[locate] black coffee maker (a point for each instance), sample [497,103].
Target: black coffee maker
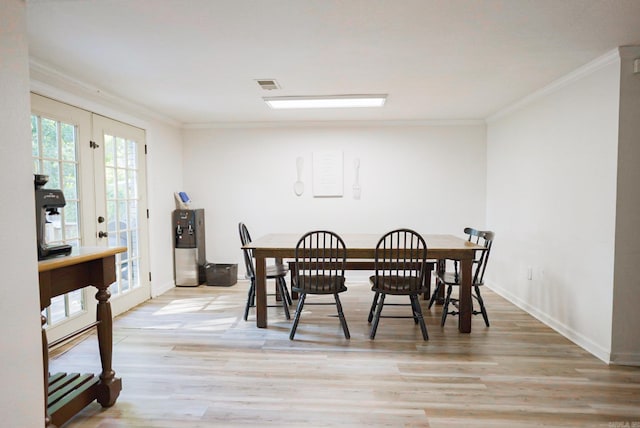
[47,202]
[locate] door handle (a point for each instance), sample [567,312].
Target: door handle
[102,234]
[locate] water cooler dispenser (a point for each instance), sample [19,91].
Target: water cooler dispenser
[189,256]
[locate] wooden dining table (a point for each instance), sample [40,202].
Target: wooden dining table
[363,246]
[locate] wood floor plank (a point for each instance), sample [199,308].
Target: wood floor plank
[188,359]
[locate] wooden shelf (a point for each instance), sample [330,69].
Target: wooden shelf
[68,394]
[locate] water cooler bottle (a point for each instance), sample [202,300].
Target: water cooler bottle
[189,256]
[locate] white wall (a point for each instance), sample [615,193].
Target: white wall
[164,159]
[164,163]
[626,293]
[551,198]
[430,178]
[22,396]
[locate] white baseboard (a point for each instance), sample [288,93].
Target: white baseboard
[158,289]
[574,336]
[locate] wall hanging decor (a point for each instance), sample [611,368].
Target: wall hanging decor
[356,182]
[298,186]
[328,174]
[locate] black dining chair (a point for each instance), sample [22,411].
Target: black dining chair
[400,269]
[320,258]
[277,271]
[452,279]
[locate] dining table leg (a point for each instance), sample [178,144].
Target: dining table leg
[261,291]
[293,269]
[464,318]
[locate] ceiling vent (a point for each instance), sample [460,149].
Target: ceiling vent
[268,84]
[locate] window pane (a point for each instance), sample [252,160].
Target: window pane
[52,169]
[68,134]
[75,302]
[71,212]
[109,151]
[111,215]
[132,184]
[132,154]
[121,152]
[49,139]
[112,239]
[71,226]
[133,236]
[124,278]
[114,289]
[56,311]
[122,183]
[135,274]
[35,148]
[123,241]
[123,215]
[133,214]
[69,173]
[110,183]
[112,227]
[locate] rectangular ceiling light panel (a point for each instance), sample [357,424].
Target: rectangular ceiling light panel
[333,101]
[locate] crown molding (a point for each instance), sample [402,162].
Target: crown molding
[49,81]
[334,124]
[602,61]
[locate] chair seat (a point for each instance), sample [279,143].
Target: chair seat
[275,271]
[396,284]
[320,284]
[449,278]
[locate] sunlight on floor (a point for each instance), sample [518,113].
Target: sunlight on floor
[221,324]
[182,306]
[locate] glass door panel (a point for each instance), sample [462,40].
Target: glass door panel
[122,200]
[57,131]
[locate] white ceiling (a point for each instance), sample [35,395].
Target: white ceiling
[196,61]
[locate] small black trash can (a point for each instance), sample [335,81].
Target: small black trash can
[221,274]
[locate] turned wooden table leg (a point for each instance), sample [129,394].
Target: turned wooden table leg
[110,386]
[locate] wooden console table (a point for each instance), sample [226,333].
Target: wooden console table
[66,395]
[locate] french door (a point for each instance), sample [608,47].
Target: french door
[99,164]
[121,206]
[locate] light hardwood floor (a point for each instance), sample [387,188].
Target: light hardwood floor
[188,359]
